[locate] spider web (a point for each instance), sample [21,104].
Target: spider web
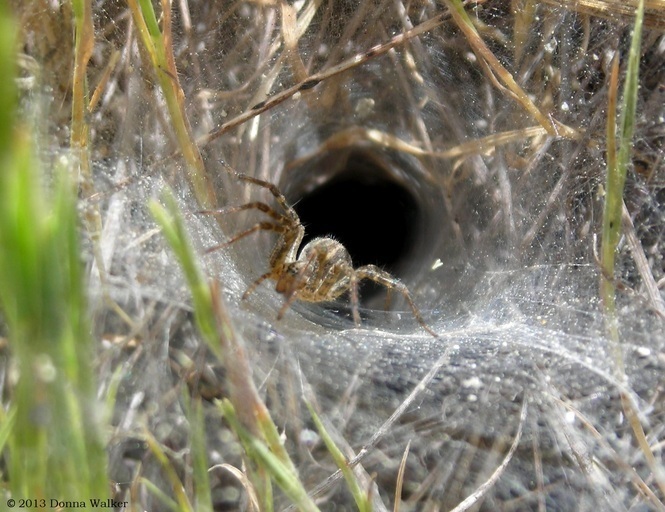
[505,268]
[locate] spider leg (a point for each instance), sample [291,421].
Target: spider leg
[277,194]
[286,305]
[255,285]
[354,298]
[265,226]
[256,205]
[384,278]
[389,297]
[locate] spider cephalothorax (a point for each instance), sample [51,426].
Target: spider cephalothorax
[321,271]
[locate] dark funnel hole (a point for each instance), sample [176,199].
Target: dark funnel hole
[368,211]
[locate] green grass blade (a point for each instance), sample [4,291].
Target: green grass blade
[168,217]
[352,483]
[158,45]
[150,18]
[618,162]
[176,485]
[618,166]
[617,169]
[163,498]
[202,492]
[264,458]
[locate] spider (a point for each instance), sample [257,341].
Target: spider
[321,271]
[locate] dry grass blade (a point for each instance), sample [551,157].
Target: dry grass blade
[637,480]
[84,45]
[316,78]
[291,34]
[655,466]
[385,427]
[653,293]
[244,481]
[80,130]
[524,11]
[654,15]
[400,477]
[456,8]
[479,493]
[538,469]
[103,81]
[482,146]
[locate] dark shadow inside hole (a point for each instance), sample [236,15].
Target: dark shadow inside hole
[368,211]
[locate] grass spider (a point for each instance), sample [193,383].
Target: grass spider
[321,271]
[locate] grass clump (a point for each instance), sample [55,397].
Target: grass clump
[245,412]
[52,433]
